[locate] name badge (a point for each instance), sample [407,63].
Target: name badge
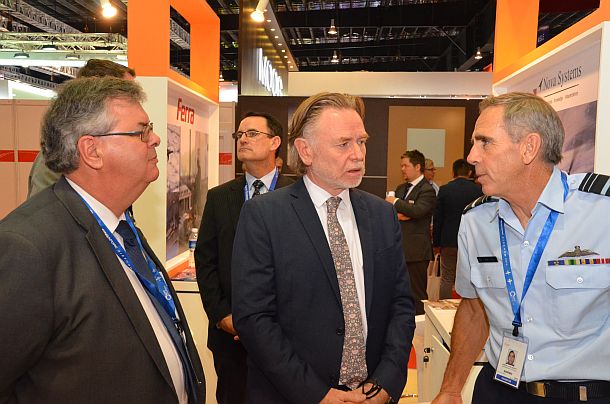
[512,359]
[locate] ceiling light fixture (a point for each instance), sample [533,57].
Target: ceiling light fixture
[108,10]
[72,56]
[478,55]
[335,58]
[49,47]
[220,78]
[332,30]
[258,14]
[21,55]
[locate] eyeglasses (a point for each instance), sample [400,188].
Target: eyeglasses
[144,133]
[250,134]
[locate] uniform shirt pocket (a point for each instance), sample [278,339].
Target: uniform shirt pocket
[580,297]
[488,275]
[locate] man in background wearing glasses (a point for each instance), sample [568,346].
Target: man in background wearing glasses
[258,138]
[91,315]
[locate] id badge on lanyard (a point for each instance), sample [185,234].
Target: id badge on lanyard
[512,359]
[514,344]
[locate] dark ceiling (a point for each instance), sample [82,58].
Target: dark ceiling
[373,35]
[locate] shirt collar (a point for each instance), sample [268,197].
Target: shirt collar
[267,179]
[105,214]
[319,196]
[416,180]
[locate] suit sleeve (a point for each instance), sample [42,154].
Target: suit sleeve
[423,206]
[215,302]
[391,372]
[255,312]
[27,309]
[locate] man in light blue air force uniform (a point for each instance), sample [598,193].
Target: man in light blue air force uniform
[533,266]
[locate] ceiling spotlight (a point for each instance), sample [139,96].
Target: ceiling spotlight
[272,29]
[283,50]
[276,37]
[220,78]
[478,55]
[121,57]
[21,55]
[108,10]
[332,30]
[268,20]
[285,56]
[72,56]
[258,14]
[335,58]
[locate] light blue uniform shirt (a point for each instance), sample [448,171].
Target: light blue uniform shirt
[566,310]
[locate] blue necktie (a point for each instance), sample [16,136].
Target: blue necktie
[133,251]
[137,259]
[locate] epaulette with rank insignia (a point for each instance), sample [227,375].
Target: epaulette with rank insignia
[595,184]
[479,201]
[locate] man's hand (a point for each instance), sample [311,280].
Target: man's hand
[402,217]
[335,396]
[447,398]
[226,324]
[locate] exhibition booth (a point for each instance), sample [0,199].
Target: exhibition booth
[433,112]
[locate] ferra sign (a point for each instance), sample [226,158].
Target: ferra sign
[267,75]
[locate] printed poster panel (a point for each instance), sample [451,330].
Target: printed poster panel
[187,176]
[568,81]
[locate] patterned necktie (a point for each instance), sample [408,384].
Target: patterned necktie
[353,361]
[257,185]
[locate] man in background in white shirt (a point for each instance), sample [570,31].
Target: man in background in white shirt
[90,315]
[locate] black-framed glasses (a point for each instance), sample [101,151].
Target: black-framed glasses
[144,133]
[250,134]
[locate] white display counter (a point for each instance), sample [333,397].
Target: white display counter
[437,346]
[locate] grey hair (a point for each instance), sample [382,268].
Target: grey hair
[307,115]
[81,108]
[527,113]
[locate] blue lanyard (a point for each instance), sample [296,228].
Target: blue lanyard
[271,188]
[534,260]
[160,291]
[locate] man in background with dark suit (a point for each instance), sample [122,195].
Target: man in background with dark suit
[89,314]
[451,201]
[321,295]
[258,140]
[414,202]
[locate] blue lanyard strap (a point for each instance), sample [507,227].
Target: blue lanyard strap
[271,188]
[160,290]
[534,260]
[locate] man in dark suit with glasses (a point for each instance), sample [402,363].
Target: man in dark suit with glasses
[258,138]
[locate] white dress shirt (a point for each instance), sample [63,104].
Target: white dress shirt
[347,220]
[170,353]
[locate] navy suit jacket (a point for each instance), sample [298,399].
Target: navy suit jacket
[452,199]
[286,302]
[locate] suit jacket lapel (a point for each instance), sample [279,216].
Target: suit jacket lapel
[306,212]
[366,242]
[235,200]
[114,273]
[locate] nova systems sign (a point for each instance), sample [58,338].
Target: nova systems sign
[267,75]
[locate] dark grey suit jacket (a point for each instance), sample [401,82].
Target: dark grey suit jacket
[286,302]
[419,206]
[213,254]
[72,327]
